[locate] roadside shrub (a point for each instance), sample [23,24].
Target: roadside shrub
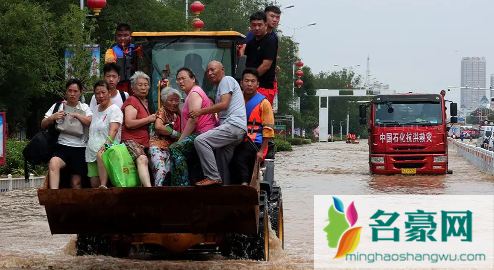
[15,160]
[299,141]
[281,145]
[295,141]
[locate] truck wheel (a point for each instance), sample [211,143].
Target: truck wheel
[276,214]
[120,249]
[258,245]
[251,247]
[93,244]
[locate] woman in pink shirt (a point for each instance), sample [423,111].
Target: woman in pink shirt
[191,127]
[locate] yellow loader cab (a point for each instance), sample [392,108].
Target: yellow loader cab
[233,220]
[167,52]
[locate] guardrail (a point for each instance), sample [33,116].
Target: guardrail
[482,158]
[10,183]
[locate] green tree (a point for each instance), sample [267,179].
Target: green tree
[28,53]
[337,79]
[284,76]
[338,107]
[309,102]
[34,48]
[486,113]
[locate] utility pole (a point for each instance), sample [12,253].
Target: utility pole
[186,9]
[332,138]
[367,84]
[348,118]
[341,132]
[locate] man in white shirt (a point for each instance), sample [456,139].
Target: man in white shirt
[111,73]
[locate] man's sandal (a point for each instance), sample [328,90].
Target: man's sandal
[209,182]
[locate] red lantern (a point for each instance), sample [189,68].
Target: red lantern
[279,48]
[278,57]
[299,73]
[299,64]
[198,24]
[299,83]
[96,5]
[197,7]
[351,85]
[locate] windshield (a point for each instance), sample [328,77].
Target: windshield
[420,114]
[194,54]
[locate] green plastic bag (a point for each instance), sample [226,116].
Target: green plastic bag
[121,168]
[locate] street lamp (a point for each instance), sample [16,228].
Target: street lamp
[463,108]
[296,28]
[287,7]
[336,65]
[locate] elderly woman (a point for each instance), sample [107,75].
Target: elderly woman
[167,127]
[191,127]
[135,128]
[107,119]
[69,150]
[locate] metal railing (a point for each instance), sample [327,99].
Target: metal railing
[481,158]
[10,183]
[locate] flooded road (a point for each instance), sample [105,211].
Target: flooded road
[317,169]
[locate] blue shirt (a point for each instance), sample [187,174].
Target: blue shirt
[250,36]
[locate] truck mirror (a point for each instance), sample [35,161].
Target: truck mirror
[454,119]
[453,109]
[242,60]
[362,111]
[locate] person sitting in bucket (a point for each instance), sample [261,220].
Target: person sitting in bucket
[260,128]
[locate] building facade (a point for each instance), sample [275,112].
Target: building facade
[473,82]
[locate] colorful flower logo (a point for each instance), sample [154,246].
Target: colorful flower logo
[340,233]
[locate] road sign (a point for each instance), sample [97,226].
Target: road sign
[280,129]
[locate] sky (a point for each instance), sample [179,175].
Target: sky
[413,45]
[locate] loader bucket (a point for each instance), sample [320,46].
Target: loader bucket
[213,209]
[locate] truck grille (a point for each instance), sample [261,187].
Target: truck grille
[408,158]
[408,165]
[409,147]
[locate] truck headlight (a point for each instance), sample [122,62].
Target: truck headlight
[440,159]
[377,159]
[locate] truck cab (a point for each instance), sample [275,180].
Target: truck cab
[408,133]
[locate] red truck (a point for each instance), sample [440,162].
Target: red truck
[408,133]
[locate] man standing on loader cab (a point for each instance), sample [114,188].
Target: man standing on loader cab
[260,128]
[121,54]
[273,14]
[261,54]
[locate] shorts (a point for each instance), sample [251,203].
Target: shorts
[268,93]
[74,158]
[92,169]
[135,149]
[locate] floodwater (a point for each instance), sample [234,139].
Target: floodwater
[317,169]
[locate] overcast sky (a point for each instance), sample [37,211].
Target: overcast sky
[413,45]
